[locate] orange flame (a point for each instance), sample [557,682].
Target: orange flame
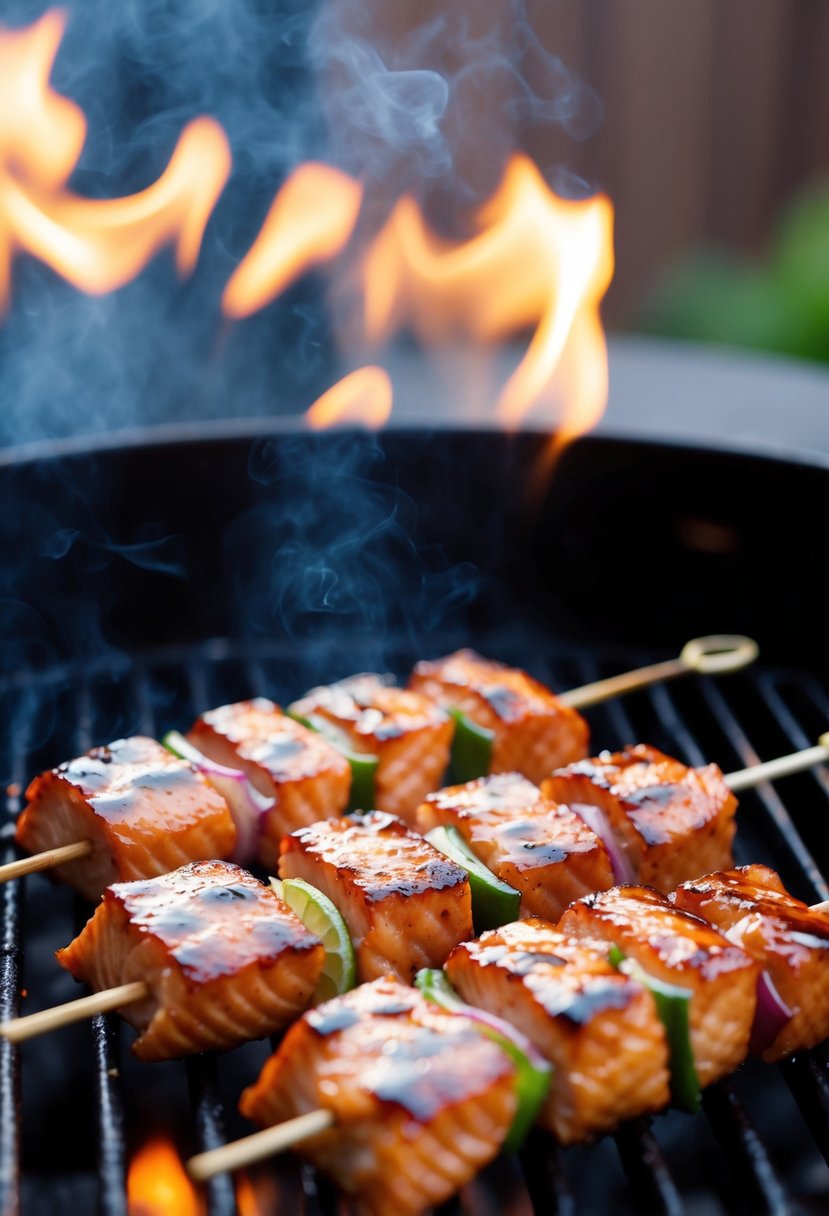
[157,1184]
[256,1197]
[310,221]
[363,396]
[536,260]
[97,244]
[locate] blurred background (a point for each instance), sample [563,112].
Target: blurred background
[709,129]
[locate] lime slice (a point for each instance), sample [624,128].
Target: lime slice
[319,915]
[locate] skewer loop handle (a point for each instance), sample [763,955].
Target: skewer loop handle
[715,654]
[259,1145]
[718,653]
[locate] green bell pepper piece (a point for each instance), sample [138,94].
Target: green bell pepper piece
[471,755]
[363,764]
[533,1072]
[673,1005]
[494,902]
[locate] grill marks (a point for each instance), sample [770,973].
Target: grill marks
[405,904]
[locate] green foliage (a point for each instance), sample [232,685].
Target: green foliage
[781,304]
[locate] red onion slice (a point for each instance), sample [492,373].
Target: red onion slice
[248,808]
[596,820]
[770,1016]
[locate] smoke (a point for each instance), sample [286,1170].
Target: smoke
[288,81]
[333,546]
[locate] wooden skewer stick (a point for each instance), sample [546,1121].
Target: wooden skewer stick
[45,860]
[783,766]
[259,1145]
[18,1029]
[716,654]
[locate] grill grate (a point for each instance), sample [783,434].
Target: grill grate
[746,1153]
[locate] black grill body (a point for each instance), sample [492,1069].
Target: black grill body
[148,580]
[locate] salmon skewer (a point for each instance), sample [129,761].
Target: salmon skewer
[672,946]
[532,730]
[672,822]
[421,1100]
[305,778]
[296,781]
[543,850]
[597,1027]
[405,904]
[789,939]
[408,735]
[139,810]
[205,957]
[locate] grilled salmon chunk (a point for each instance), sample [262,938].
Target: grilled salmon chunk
[405,904]
[542,849]
[422,1099]
[408,733]
[790,942]
[143,810]
[224,959]
[534,731]
[307,778]
[673,822]
[599,1029]
[681,949]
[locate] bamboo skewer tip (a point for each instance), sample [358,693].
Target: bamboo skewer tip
[259,1145]
[17,1030]
[46,860]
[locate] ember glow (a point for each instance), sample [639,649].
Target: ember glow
[157,1184]
[96,244]
[534,262]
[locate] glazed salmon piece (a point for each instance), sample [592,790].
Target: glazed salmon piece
[535,732]
[144,811]
[409,734]
[307,778]
[681,949]
[543,850]
[673,822]
[422,1099]
[405,904]
[599,1029]
[224,958]
[789,941]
